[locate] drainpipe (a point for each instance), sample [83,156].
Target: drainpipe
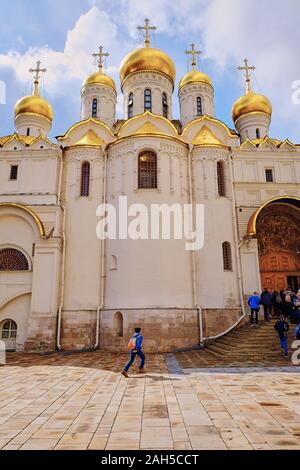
[102,261]
[62,289]
[60,175]
[193,253]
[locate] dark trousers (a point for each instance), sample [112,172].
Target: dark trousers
[133,355]
[267,312]
[277,309]
[284,344]
[254,311]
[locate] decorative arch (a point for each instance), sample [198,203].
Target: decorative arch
[14,296]
[252,224]
[278,242]
[36,218]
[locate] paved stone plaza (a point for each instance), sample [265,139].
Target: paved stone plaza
[81,401]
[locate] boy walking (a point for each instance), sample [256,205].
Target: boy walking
[282,328]
[254,304]
[135,347]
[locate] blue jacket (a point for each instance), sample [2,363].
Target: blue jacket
[139,341]
[254,301]
[297,331]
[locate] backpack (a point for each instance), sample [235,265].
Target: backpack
[288,298]
[132,342]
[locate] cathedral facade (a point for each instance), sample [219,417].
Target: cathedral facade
[61,287]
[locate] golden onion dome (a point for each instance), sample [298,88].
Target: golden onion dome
[100,78]
[147,59]
[249,103]
[34,104]
[195,76]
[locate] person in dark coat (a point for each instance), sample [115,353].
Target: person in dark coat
[277,303]
[266,302]
[288,306]
[282,328]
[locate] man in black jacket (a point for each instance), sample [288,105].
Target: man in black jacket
[266,301]
[282,328]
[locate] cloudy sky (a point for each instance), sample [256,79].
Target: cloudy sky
[64,33]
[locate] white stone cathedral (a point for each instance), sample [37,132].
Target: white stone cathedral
[63,288]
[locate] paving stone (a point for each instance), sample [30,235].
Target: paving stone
[81,401]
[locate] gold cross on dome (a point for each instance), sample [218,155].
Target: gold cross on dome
[37,72]
[193,53]
[147,28]
[101,56]
[247,69]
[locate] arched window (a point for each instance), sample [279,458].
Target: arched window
[227,257]
[13,260]
[130,106]
[148,100]
[165,105]
[221,179]
[147,170]
[85,179]
[257,133]
[95,108]
[9,330]
[118,324]
[199,106]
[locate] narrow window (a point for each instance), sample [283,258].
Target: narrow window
[13,260]
[199,106]
[165,105]
[118,324]
[257,133]
[85,179]
[95,108]
[147,170]
[269,175]
[14,172]
[221,179]
[28,131]
[130,106]
[113,263]
[227,258]
[148,100]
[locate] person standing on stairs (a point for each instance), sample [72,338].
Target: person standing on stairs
[266,302]
[282,328]
[254,304]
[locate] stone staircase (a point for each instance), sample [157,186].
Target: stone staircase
[247,346]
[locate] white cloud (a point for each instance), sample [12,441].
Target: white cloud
[75,62]
[227,30]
